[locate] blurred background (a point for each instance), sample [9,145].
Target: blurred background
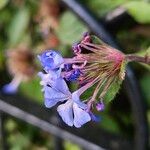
[28,27]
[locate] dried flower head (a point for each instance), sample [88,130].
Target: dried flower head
[20,64]
[48,20]
[23,60]
[48,16]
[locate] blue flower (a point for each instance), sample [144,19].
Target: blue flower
[12,87]
[50,60]
[73,112]
[9,88]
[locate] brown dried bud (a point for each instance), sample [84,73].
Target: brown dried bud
[20,61]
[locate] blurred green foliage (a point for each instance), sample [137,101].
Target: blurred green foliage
[70,28]
[3,3]
[18,25]
[140,10]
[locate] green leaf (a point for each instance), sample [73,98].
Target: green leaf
[3,3]
[140,10]
[18,26]
[115,86]
[70,29]
[144,52]
[113,90]
[102,7]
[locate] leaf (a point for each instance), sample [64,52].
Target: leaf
[144,52]
[70,29]
[115,86]
[101,7]
[113,90]
[3,3]
[140,10]
[18,26]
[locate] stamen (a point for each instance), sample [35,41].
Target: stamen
[88,85]
[76,48]
[79,66]
[107,86]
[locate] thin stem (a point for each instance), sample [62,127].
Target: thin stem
[132,57]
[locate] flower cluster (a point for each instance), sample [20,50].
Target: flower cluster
[94,65]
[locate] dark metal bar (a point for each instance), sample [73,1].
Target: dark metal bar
[141,130]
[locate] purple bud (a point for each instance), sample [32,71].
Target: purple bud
[86,37]
[85,34]
[68,67]
[100,106]
[74,75]
[76,48]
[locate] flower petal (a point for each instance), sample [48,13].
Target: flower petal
[54,81]
[80,116]
[66,112]
[50,102]
[52,96]
[61,86]
[76,99]
[50,59]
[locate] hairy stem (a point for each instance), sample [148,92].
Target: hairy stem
[132,57]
